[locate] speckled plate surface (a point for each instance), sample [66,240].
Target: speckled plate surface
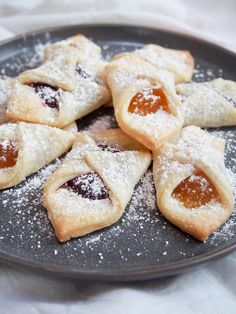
[142,245]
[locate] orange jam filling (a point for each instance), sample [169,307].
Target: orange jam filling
[8,154]
[195,191]
[148,101]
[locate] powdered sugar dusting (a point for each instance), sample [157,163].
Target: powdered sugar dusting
[143,198]
[141,237]
[204,73]
[193,144]
[227,231]
[173,61]
[153,124]
[25,61]
[100,123]
[22,192]
[23,201]
[38,56]
[209,103]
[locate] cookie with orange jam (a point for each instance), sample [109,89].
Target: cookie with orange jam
[145,102]
[192,185]
[26,147]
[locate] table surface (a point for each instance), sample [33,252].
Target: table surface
[207,289]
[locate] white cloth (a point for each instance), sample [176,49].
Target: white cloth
[207,289]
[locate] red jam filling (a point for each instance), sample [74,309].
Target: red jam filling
[48,93]
[87,185]
[8,154]
[195,191]
[148,101]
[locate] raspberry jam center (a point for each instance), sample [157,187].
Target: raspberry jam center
[89,185]
[48,93]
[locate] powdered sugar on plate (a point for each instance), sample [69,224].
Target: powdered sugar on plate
[228,230]
[22,202]
[204,73]
[142,236]
[102,122]
[23,61]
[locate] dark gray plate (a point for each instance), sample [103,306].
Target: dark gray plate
[142,245]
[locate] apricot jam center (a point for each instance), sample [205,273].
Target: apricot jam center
[87,185]
[148,101]
[8,154]
[195,191]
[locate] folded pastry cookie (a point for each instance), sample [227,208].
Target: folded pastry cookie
[71,128]
[192,187]
[25,148]
[5,90]
[68,85]
[95,182]
[145,102]
[178,62]
[209,104]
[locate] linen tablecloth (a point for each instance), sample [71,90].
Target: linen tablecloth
[206,289]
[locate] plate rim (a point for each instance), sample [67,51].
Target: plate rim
[124,275]
[42,30]
[133,273]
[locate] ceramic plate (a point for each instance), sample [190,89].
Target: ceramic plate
[142,245]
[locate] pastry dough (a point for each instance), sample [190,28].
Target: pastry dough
[70,84]
[178,62]
[5,90]
[209,104]
[145,102]
[25,148]
[95,182]
[192,186]
[72,128]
